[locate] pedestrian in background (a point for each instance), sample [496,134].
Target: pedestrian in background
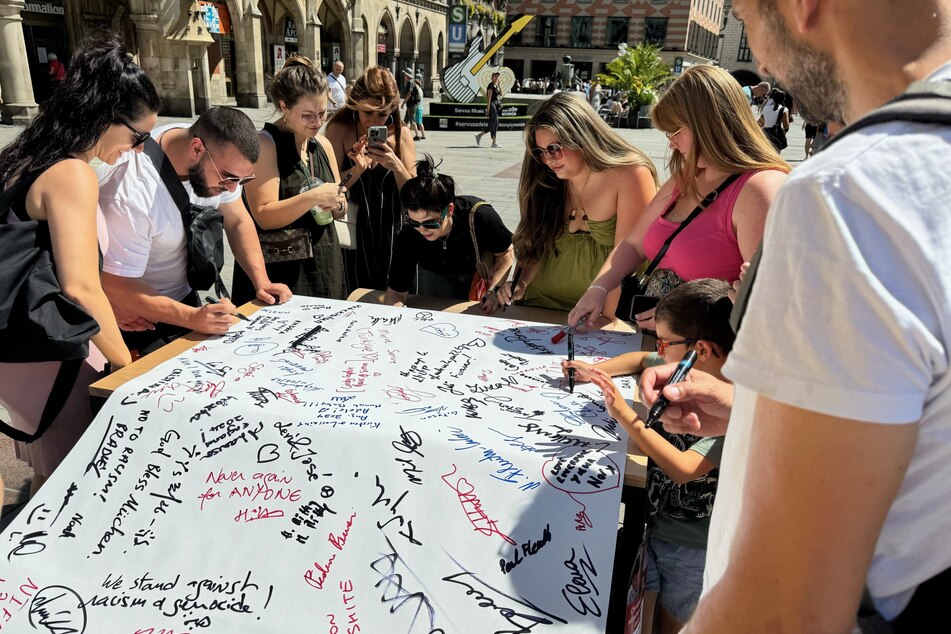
[493,109]
[338,88]
[420,130]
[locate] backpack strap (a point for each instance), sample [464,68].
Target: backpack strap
[181,198]
[923,102]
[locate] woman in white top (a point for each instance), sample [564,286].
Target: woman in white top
[775,120]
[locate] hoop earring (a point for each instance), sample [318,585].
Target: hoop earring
[353,113]
[389,120]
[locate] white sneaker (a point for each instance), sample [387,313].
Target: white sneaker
[496,145]
[478,137]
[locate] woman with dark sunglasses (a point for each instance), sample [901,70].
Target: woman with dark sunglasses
[582,189]
[105,106]
[437,236]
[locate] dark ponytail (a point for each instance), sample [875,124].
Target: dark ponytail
[103,87]
[428,190]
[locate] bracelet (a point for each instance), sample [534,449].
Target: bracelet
[492,289]
[600,288]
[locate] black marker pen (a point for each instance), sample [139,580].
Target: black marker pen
[212,300]
[679,375]
[571,357]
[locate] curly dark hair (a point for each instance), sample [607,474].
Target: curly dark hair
[103,87]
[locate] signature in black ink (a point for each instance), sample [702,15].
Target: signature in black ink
[395,596]
[581,588]
[486,596]
[59,610]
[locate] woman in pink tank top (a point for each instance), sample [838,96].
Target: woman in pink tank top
[713,137]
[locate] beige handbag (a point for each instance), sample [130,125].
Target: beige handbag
[347,227]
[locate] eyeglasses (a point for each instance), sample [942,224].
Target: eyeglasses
[554,151]
[663,345]
[238,180]
[426,224]
[671,135]
[314,117]
[140,137]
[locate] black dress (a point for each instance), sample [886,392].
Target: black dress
[378,223]
[322,276]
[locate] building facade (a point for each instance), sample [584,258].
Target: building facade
[735,54]
[590,31]
[204,53]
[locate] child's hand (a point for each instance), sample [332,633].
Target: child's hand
[582,370]
[613,400]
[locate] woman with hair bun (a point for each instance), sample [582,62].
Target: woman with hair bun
[296,190]
[437,236]
[106,105]
[378,172]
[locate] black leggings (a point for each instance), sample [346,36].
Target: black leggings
[493,119]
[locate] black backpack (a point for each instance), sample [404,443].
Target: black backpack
[37,322]
[924,102]
[204,227]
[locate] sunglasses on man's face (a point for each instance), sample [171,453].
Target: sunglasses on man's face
[140,137]
[426,224]
[226,178]
[554,151]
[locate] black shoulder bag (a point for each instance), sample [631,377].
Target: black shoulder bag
[37,322]
[926,102]
[204,227]
[635,285]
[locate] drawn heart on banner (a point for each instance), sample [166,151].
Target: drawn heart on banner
[268,453]
[446,331]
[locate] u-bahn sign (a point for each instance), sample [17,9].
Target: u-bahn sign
[458,18]
[465,80]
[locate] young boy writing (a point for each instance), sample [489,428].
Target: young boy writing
[682,485]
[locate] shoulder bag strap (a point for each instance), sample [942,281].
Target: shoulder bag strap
[169,177]
[707,201]
[62,386]
[475,242]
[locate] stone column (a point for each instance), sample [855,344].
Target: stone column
[310,42]
[201,77]
[19,105]
[250,60]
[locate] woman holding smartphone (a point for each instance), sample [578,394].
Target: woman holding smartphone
[295,197]
[378,171]
[716,146]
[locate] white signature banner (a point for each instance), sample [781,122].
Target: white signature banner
[396,470]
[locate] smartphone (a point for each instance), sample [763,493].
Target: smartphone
[376,135]
[642,303]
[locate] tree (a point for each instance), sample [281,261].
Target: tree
[638,73]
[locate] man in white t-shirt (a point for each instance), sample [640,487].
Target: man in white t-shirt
[144,269]
[338,88]
[836,472]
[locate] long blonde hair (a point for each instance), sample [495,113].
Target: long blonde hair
[541,193]
[710,102]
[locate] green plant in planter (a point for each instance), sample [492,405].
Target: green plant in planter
[637,72]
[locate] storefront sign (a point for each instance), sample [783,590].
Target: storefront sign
[290,32]
[381,48]
[49,8]
[458,15]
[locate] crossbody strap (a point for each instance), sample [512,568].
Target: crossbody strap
[169,177]
[706,202]
[475,241]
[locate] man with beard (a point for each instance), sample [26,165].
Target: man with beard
[836,471]
[144,265]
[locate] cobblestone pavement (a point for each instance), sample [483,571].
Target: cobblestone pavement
[490,173]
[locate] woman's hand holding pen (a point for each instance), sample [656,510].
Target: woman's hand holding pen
[506,296]
[491,303]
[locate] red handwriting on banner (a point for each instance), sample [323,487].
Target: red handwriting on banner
[315,578]
[339,541]
[472,506]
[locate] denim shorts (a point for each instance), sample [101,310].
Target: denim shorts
[676,574]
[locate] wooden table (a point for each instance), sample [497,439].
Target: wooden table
[635,469]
